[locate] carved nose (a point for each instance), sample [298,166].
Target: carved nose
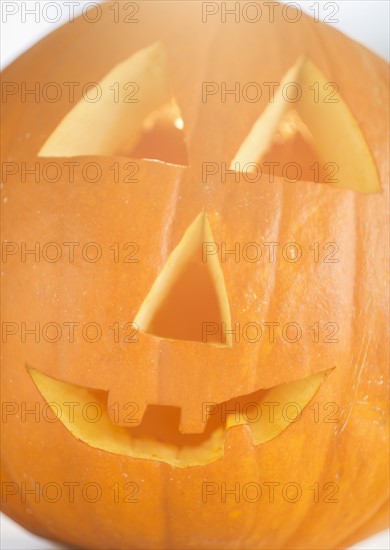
[189,296]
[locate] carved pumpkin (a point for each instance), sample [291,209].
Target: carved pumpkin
[185,452]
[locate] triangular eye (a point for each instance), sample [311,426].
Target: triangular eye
[316,129]
[189,293]
[134,115]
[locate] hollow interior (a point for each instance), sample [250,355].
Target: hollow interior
[189,294]
[161,137]
[190,302]
[293,145]
[316,129]
[157,437]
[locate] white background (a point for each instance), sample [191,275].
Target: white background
[365,21]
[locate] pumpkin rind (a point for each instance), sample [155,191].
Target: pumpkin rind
[155,213]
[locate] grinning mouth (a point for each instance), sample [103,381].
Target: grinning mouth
[157,436]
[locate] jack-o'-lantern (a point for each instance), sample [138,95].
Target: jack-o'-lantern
[194,335]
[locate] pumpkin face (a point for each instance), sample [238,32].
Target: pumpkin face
[160,311]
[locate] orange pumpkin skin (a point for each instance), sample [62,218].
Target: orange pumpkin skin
[155,213]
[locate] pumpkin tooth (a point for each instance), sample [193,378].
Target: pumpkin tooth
[233,420]
[238,440]
[128,415]
[191,422]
